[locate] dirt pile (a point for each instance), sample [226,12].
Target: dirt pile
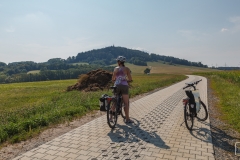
[92,81]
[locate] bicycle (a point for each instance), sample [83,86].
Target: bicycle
[114,108]
[192,105]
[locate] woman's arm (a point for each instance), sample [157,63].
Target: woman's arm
[129,75]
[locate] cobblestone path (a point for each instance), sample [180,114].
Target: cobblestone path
[158,132]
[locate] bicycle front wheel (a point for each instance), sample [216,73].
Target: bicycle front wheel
[112,114]
[188,117]
[203,113]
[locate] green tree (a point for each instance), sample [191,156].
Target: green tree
[147,70]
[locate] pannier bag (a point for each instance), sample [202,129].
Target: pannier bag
[192,103]
[103,102]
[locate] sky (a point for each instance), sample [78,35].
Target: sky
[200,31]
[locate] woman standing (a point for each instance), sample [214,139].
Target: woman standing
[121,76]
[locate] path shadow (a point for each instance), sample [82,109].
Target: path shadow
[218,137]
[129,133]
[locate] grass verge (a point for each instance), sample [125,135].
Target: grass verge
[226,86]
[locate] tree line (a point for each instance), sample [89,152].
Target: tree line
[57,68]
[69,72]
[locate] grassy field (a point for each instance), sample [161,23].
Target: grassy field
[226,86]
[33,72]
[28,108]
[159,67]
[80,63]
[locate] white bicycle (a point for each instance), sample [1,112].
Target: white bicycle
[193,105]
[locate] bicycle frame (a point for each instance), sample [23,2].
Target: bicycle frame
[118,98]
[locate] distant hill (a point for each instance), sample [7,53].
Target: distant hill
[107,56]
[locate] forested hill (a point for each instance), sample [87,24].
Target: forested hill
[107,56]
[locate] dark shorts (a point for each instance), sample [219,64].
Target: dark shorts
[122,89]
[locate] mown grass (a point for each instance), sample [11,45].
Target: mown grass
[28,108]
[226,86]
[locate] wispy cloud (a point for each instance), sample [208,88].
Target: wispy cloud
[224,30]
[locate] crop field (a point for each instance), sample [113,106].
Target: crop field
[28,108]
[226,86]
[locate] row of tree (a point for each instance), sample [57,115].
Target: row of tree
[45,75]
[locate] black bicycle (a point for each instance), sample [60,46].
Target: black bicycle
[114,108]
[192,106]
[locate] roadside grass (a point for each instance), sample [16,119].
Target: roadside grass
[28,108]
[226,86]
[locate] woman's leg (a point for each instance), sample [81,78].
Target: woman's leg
[126,104]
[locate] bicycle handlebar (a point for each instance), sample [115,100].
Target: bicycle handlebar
[192,84]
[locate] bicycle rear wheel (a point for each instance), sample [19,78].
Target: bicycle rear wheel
[203,113]
[112,114]
[188,117]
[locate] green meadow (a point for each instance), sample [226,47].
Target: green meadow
[28,108]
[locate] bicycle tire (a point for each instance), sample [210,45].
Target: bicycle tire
[188,117]
[205,112]
[112,112]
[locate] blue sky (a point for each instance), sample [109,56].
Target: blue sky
[201,31]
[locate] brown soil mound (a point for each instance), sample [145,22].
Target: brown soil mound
[92,81]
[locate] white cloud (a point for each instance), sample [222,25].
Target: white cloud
[224,29]
[139,48]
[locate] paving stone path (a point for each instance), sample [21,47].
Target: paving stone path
[158,132]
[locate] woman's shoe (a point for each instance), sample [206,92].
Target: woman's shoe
[129,121]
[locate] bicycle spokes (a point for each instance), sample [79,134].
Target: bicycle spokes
[188,117]
[112,113]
